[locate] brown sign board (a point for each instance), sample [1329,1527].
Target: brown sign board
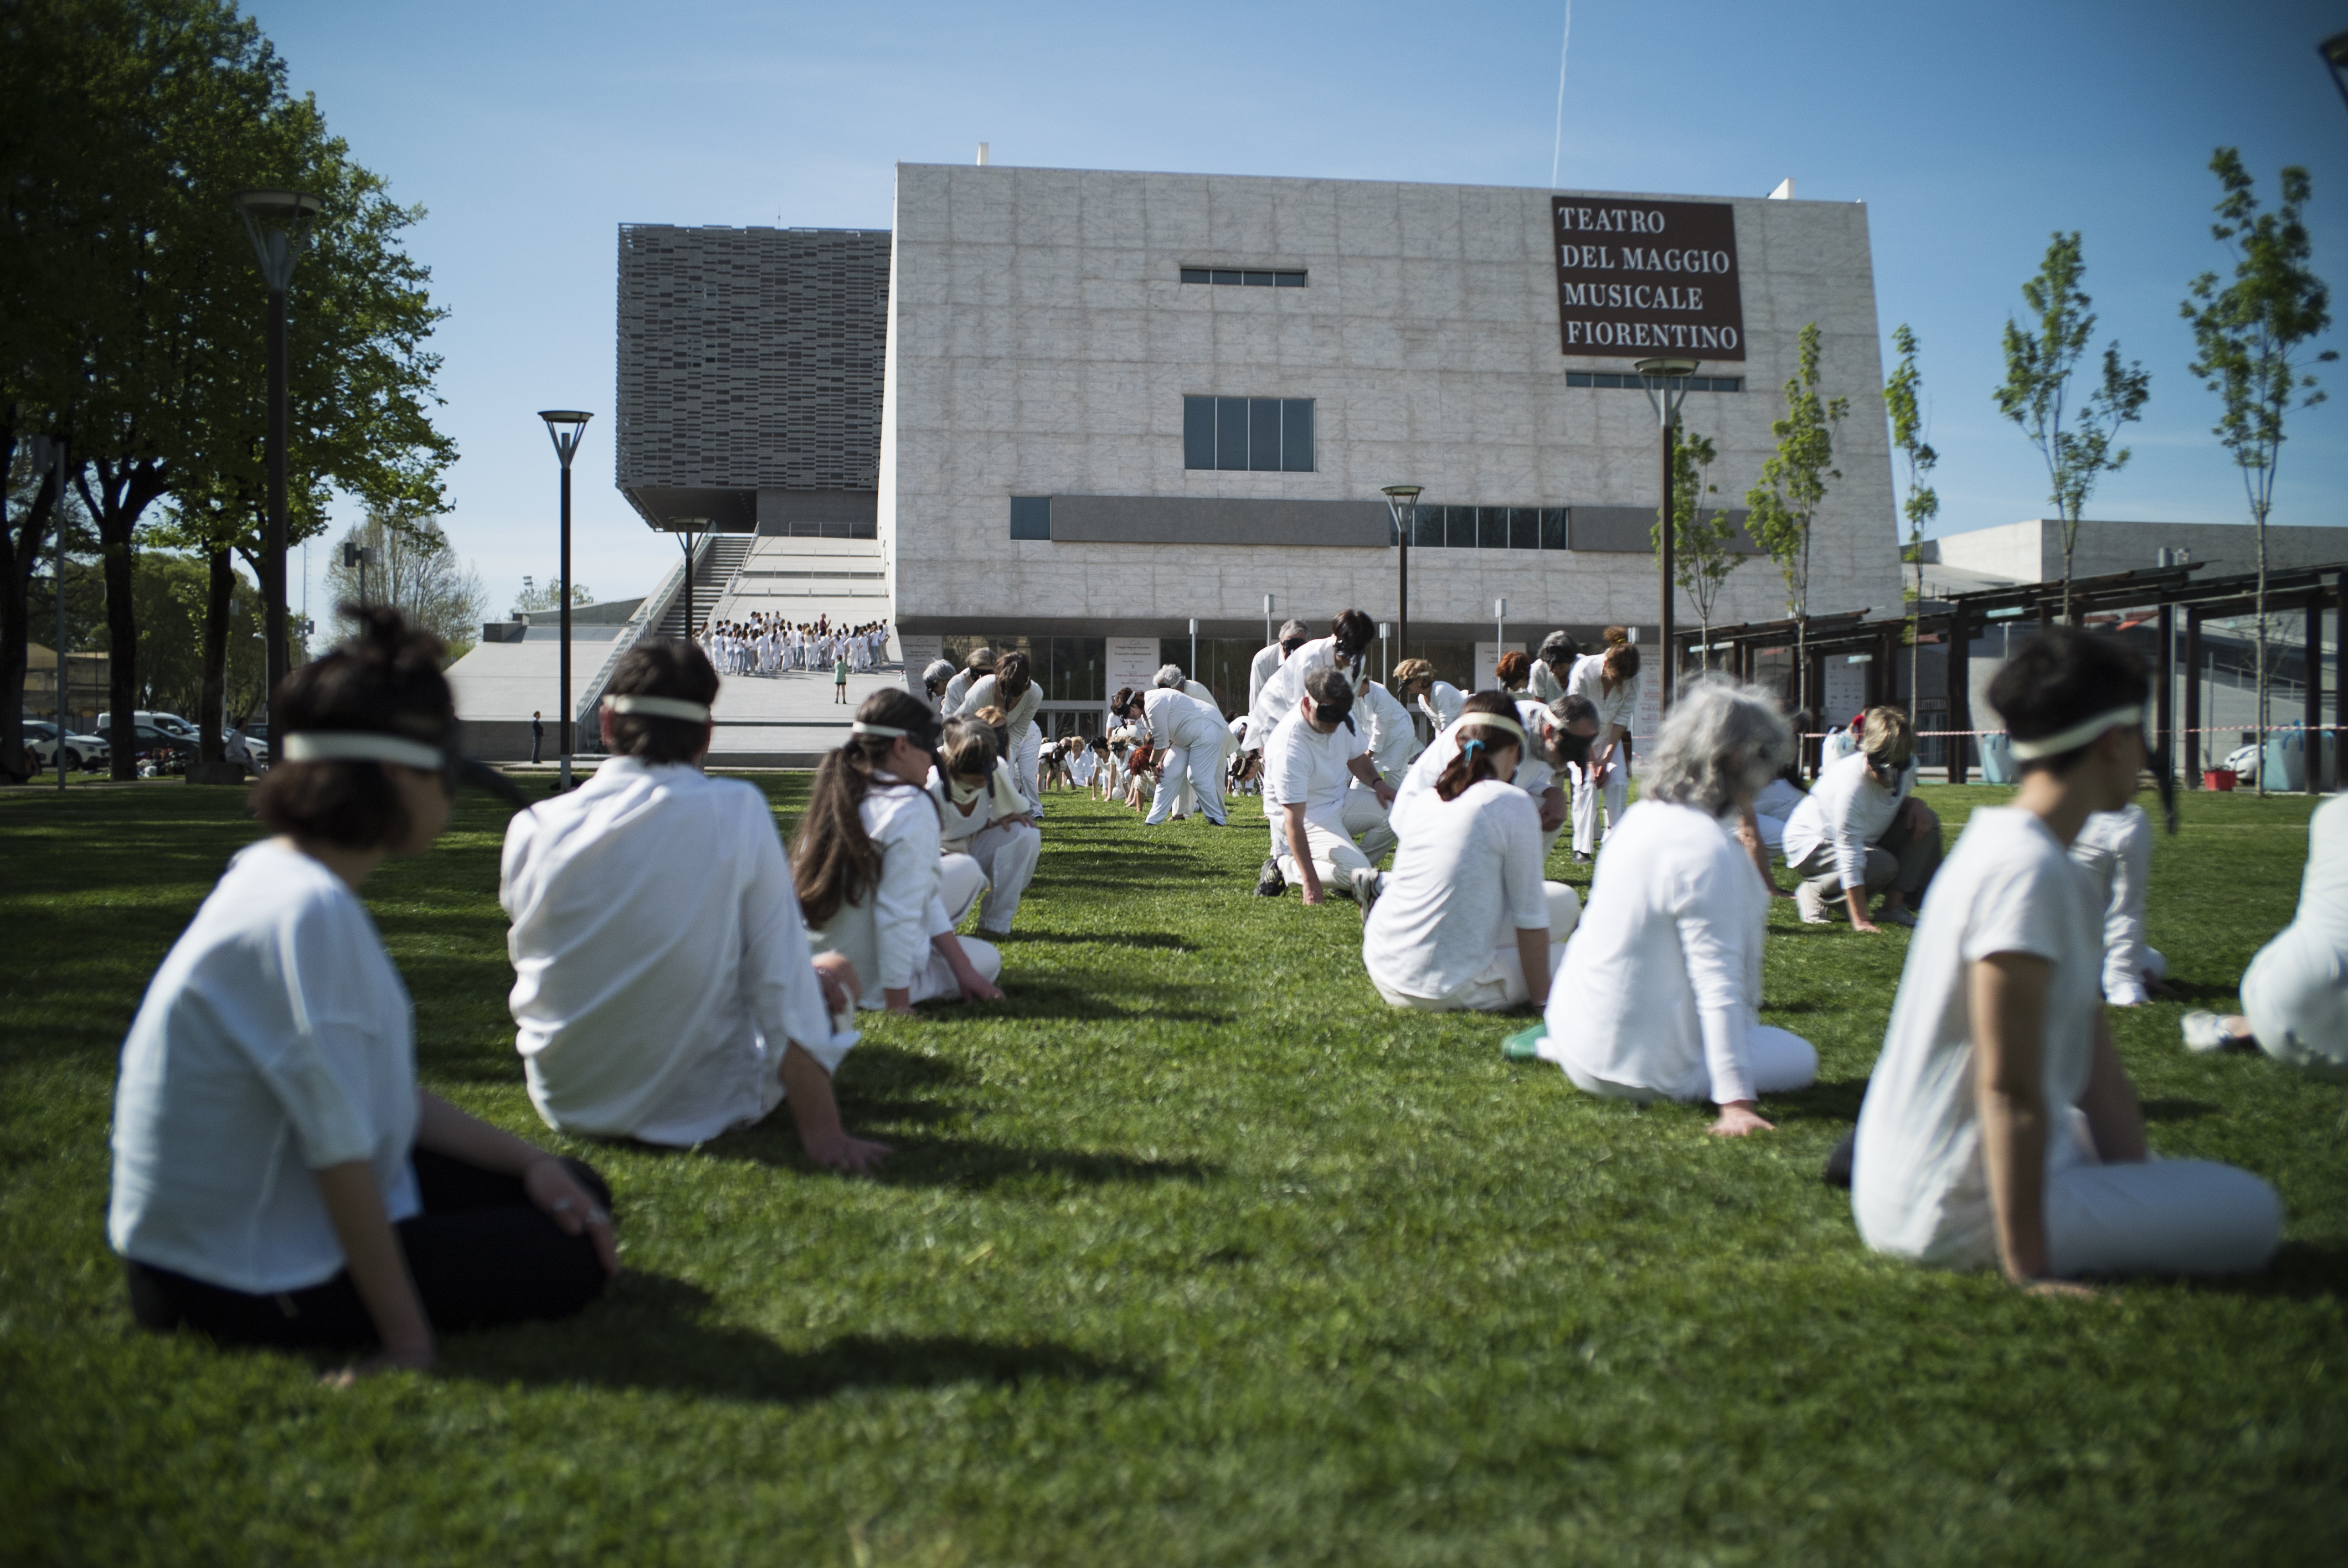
[1641,279]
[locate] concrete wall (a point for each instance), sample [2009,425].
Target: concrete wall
[1040,344]
[2032,550]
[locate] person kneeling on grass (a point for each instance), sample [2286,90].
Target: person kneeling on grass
[1660,994]
[652,1006]
[1306,764]
[871,876]
[983,816]
[1861,829]
[1464,921]
[1998,1126]
[279,1178]
[2295,993]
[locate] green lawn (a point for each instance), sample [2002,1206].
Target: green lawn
[1191,1252]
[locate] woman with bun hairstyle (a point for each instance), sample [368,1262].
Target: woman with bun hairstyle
[1610,680]
[1512,671]
[279,1178]
[1464,920]
[867,863]
[1012,687]
[983,816]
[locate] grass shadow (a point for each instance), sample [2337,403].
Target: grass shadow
[2176,1109]
[1166,941]
[1836,1100]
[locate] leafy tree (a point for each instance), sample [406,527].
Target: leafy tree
[533,598]
[2038,367]
[1923,503]
[1702,540]
[416,569]
[2251,339]
[1794,480]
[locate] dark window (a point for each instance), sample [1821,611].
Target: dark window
[1226,276]
[1296,435]
[1429,531]
[1524,528]
[1632,384]
[1231,433]
[1459,528]
[1288,279]
[1197,275]
[1197,433]
[1030,517]
[1250,278]
[1552,528]
[1265,434]
[1492,528]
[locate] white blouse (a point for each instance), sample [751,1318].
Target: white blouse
[887,934]
[1618,707]
[1460,887]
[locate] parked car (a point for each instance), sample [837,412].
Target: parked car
[169,723]
[2243,761]
[81,751]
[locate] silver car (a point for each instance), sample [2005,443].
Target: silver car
[81,751]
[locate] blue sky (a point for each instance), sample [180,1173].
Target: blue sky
[1971,131]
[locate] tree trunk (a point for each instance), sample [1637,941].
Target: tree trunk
[2259,639]
[122,492]
[20,548]
[215,700]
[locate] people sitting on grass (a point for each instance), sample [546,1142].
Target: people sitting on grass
[1660,994]
[1998,1126]
[983,815]
[650,1005]
[2115,849]
[279,1178]
[1306,765]
[2295,993]
[1862,830]
[1464,920]
[868,864]
[1609,681]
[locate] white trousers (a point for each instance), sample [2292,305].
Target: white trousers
[2295,994]
[1365,819]
[2159,1216]
[960,880]
[1335,857]
[1030,756]
[1199,766]
[1501,983]
[1778,1061]
[1007,854]
[1617,793]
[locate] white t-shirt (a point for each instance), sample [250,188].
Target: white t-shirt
[1919,1187]
[661,967]
[1847,809]
[1304,767]
[1416,795]
[1283,689]
[1392,739]
[1464,885]
[276,1040]
[1177,719]
[2115,849]
[887,936]
[1619,706]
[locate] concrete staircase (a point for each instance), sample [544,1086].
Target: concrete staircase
[715,565]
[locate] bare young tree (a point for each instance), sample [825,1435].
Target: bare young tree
[414,568]
[1704,539]
[1923,502]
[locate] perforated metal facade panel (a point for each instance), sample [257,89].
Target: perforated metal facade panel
[749,359]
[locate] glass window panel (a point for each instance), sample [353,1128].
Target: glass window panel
[1291,280]
[1296,435]
[1197,433]
[1258,280]
[1577,378]
[1223,276]
[1030,517]
[1263,433]
[1231,433]
[1492,528]
[1459,528]
[1197,275]
[1428,530]
[1524,528]
[1552,528]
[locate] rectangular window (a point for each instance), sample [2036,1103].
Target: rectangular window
[1268,435]
[1030,517]
[1248,278]
[1524,528]
[1631,383]
[1429,531]
[1459,528]
[1552,528]
[1492,528]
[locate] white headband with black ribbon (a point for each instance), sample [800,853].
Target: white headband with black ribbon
[361,746]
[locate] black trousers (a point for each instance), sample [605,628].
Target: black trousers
[481,1254]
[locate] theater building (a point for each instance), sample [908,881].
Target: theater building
[1078,411]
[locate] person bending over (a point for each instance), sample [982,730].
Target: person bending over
[1187,737]
[1465,920]
[2115,849]
[1293,634]
[1512,671]
[935,679]
[1862,830]
[1660,994]
[869,866]
[1351,633]
[1998,1126]
[1306,764]
[1609,683]
[2295,993]
[279,1178]
[1012,688]
[1432,703]
[654,1006]
[977,668]
[1552,667]
[983,816]
[1557,737]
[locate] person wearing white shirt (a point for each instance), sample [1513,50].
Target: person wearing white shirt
[1609,683]
[1860,830]
[1998,1126]
[1391,741]
[1186,796]
[870,867]
[2115,849]
[1557,737]
[652,1007]
[1552,667]
[1351,632]
[1012,688]
[1293,634]
[1190,735]
[278,1177]
[1774,807]
[983,815]
[1465,920]
[1840,742]
[1306,764]
[2295,993]
[931,684]
[979,665]
[1659,998]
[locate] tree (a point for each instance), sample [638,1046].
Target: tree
[1924,503]
[1792,487]
[533,598]
[1702,541]
[417,570]
[2038,367]
[2251,339]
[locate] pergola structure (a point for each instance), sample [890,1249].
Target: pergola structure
[2162,591]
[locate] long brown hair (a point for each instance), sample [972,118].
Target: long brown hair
[1012,680]
[1472,765]
[834,862]
[1621,665]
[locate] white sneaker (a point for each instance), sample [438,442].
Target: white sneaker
[2206,1032]
[1812,904]
[1366,887]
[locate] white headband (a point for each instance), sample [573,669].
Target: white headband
[2078,735]
[1492,720]
[660,708]
[860,728]
[362,746]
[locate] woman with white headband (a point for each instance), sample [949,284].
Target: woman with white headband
[279,1178]
[1660,995]
[867,863]
[1861,830]
[1999,1127]
[983,816]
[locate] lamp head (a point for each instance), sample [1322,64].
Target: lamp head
[276,222]
[2335,51]
[565,427]
[1402,507]
[1673,367]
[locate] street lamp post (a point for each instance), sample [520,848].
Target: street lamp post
[1499,635]
[1401,506]
[1666,384]
[276,222]
[567,427]
[2335,51]
[1267,620]
[1194,648]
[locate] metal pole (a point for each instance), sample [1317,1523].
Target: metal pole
[57,514]
[565,586]
[1267,620]
[1664,676]
[2163,697]
[273,568]
[1402,617]
[1194,648]
[2193,697]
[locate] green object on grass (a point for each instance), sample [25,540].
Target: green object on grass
[1525,1044]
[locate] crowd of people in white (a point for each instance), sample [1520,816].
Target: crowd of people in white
[278,1177]
[768,644]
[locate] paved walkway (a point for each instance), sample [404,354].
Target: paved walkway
[790,715]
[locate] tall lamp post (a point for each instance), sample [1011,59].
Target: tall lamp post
[276,222]
[2335,51]
[1402,505]
[567,427]
[1666,384]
